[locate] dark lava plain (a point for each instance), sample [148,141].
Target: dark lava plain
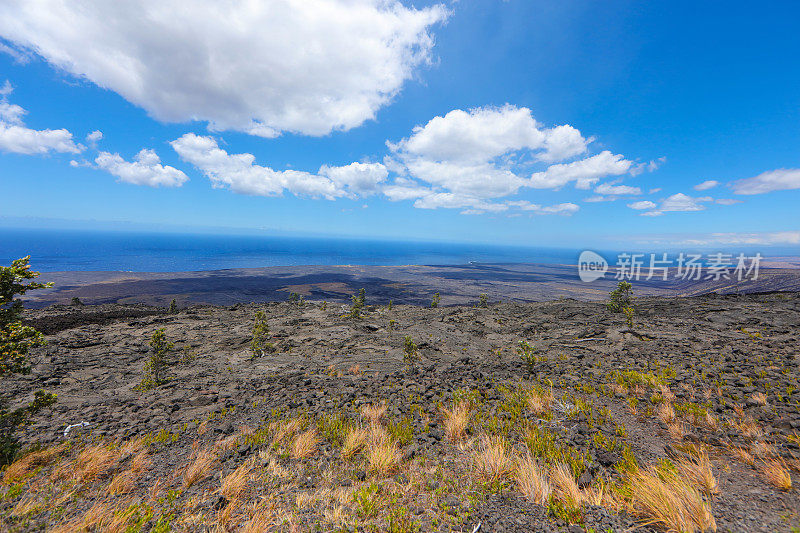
[727,363]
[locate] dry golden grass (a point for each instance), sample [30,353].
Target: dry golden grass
[286,429]
[27,505]
[122,483]
[355,369]
[759,397]
[531,480]
[540,403]
[456,420]
[749,427]
[710,421]
[666,393]
[566,488]
[492,460]
[305,445]
[100,517]
[202,428]
[763,449]
[227,443]
[131,447]
[665,412]
[200,467]
[373,413]
[698,470]
[140,462]
[25,465]
[676,430]
[354,442]
[743,455]
[225,516]
[775,473]
[95,461]
[383,458]
[235,483]
[670,501]
[262,520]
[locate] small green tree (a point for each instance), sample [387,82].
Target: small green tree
[260,343]
[436,300]
[173,306]
[76,302]
[628,312]
[484,300]
[620,297]
[157,363]
[357,305]
[295,298]
[15,342]
[528,355]
[410,351]
[391,304]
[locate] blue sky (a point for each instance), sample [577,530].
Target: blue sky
[519,122]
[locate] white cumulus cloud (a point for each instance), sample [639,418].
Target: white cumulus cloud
[94,136]
[145,169]
[584,173]
[676,202]
[781,179]
[17,138]
[643,204]
[242,175]
[617,190]
[465,159]
[708,184]
[304,66]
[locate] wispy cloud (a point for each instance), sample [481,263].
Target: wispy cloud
[17,138]
[782,179]
[257,67]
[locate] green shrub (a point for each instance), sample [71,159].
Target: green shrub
[410,350]
[528,355]
[15,342]
[436,300]
[358,302]
[628,312]
[484,300]
[620,297]
[297,299]
[157,363]
[260,343]
[173,306]
[76,302]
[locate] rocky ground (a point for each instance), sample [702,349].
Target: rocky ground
[336,430]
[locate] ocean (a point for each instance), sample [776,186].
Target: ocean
[53,251]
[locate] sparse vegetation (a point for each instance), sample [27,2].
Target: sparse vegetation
[373,448]
[436,300]
[357,303]
[260,344]
[157,363]
[15,342]
[621,297]
[528,355]
[410,351]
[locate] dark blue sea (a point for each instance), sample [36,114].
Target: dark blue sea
[53,250]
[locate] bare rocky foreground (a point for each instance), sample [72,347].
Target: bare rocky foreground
[269,438]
